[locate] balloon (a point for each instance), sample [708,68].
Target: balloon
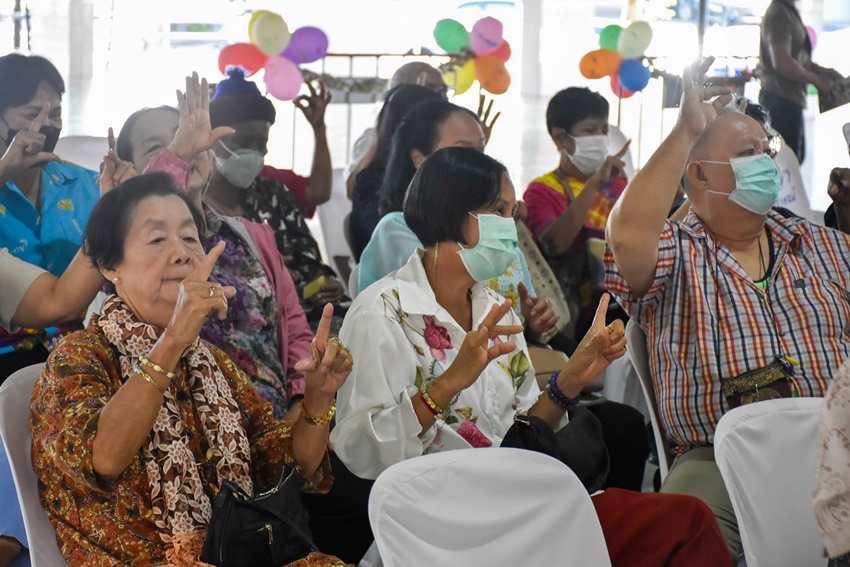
[599,63]
[306,45]
[253,21]
[451,35]
[461,79]
[610,36]
[282,78]
[618,88]
[245,55]
[486,36]
[634,40]
[633,75]
[503,52]
[492,74]
[271,34]
[813,36]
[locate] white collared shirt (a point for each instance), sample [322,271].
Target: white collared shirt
[400,338]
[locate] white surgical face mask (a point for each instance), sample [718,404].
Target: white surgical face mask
[590,153]
[241,167]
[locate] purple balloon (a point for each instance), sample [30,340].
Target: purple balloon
[486,36]
[306,45]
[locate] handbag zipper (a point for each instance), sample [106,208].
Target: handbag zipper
[268,528]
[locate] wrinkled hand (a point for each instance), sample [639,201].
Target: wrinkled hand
[330,362]
[113,170]
[614,166]
[195,134]
[332,292]
[314,105]
[484,116]
[25,150]
[599,348]
[538,312]
[839,187]
[475,353]
[700,104]
[195,303]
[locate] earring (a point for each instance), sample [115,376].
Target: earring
[115,279]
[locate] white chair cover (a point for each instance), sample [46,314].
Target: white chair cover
[485,507]
[639,355]
[331,233]
[767,454]
[15,396]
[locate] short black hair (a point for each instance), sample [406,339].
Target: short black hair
[420,130]
[570,106]
[110,219]
[449,185]
[398,103]
[757,112]
[123,146]
[21,76]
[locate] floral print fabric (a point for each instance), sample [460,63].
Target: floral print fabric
[102,522]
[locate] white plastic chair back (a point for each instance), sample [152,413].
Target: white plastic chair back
[767,454]
[616,140]
[330,216]
[87,151]
[485,507]
[639,354]
[15,396]
[792,189]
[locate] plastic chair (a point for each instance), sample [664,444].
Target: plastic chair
[767,455]
[330,217]
[15,396]
[639,355]
[485,507]
[86,151]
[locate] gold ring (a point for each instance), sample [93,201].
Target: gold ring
[610,329]
[212,291]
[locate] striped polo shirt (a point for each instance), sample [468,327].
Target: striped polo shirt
[705,319]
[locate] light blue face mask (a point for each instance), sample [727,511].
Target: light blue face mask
[756,182]
[497,244]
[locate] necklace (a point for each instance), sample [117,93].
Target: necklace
[436,255]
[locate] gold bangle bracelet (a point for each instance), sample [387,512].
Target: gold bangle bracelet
[319,421]
[148,378]
[157,367]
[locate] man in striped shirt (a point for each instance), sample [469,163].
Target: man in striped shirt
[728,289]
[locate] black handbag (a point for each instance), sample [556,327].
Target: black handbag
[768,383]
[579,444]
[268,530]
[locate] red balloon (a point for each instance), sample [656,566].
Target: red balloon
[618,89]
[245,55]
[503,52]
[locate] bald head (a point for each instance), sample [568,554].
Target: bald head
[731,131]
[417,73]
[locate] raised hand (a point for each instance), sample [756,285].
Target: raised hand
[614,166]
[600,347]
[113,170]
[197,299]
[700,104]
[330,362]
[314,105]
[195,134]
[538,312]
[484,116]
[476,353]
[25,149]
[839,186]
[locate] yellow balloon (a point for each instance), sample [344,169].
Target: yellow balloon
[271,34]
[461,79]
[254,17]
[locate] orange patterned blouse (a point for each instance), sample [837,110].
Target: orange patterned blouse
[111,523]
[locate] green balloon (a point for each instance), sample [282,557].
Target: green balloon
[609,37]
[451,35]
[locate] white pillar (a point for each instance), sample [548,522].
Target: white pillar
[532,24]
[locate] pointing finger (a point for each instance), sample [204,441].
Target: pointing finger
[202,271]
[625,149]
[601,312]
[324,328]
[41,119]
[110,139]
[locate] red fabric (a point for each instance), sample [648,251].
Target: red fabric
[296,184]
[650,530]
[295,337]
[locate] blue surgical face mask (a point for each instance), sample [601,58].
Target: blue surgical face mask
[497,244]
[756,182]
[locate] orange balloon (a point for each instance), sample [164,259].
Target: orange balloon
[599,63]
[492,74]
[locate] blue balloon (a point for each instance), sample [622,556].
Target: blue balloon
[633,75]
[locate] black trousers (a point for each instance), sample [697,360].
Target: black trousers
[14,361]
[624,432]
[787,119]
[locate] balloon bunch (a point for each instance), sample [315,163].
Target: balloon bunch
[480,54]
[620,56]
[276,50]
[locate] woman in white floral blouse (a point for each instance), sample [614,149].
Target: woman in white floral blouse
[441,363]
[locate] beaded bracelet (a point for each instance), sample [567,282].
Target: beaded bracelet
[430,403]
[157,367]
[148,378]
[319,421]
[557,396]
